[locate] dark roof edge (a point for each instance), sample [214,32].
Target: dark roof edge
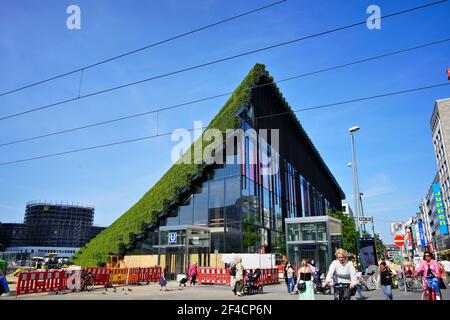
[308,139]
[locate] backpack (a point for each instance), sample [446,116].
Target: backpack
[233,270]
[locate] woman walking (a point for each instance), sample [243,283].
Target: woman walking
[290,278]
[239,276]
[305,285]
[385,279]
[163,279]
[193,271]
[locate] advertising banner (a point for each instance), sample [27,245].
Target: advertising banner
[367,252]
[442,219]
[409,243]
[421,233]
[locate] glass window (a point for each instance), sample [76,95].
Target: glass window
[232,168]
[266,208]
[321,231]
[199,238]
[186,212]
[233,238]
[217,242]
[201,205]
[293,232]
[233,201]
[173,219]
[308,231]
[232,190]
[216,213]
[251,238]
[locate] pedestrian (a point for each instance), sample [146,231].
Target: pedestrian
[359,289]
[446,265]
[290,277]
[239,276]
[193,271]
[233,276]
[163,279]
[305,285]
[285,274]
[385,279]
[344,273]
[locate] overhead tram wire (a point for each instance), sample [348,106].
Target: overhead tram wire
[142,48]
[222,94]
[217,61]
[268,116]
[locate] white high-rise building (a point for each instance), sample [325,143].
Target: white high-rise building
[440,128]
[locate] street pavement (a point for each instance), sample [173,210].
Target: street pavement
[200,292]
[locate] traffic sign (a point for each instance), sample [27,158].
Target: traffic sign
[397,228]
[365,219]
[172,237]
[399,241]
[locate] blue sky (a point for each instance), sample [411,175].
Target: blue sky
[394,150]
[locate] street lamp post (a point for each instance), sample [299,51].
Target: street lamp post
[355,179]
[362,210]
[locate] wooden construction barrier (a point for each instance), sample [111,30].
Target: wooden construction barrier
[40,281]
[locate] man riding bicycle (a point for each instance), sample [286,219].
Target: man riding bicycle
[345,276]
[431,274]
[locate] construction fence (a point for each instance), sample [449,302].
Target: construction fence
[70,279]
[221,276]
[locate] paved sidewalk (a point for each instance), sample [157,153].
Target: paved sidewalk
[201,292]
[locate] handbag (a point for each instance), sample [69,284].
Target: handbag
[301,286]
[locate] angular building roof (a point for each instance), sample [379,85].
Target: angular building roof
[178,179]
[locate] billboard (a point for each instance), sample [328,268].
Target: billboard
[409,239]
[397,228]
[421,233]
[367,252]
[442,219]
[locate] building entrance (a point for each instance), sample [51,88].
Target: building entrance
[181,246]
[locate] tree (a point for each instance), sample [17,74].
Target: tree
[348,230]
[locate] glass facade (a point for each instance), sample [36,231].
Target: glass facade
[313,239]
[244,205]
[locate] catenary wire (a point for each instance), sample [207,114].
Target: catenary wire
[216,61]
[169,133]
[221,95]
[140,49]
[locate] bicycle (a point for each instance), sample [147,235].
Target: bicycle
[87,281]
[340,288]
[413,284]
[428,293]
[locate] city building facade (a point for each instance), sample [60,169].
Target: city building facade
[431,221]
[50,228]
[241,206]
[346,209]
[440,128]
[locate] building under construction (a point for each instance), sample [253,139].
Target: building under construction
[50,225]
